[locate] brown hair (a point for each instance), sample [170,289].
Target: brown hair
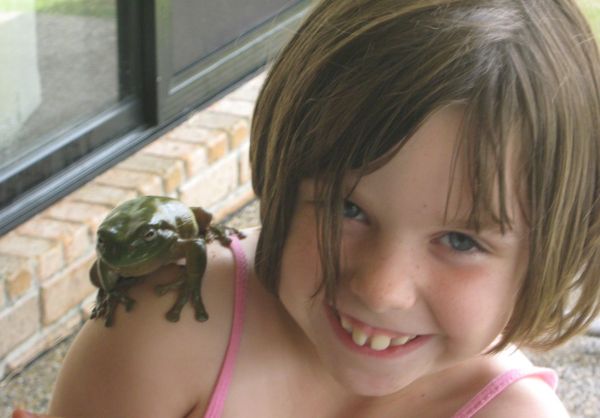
[360,76]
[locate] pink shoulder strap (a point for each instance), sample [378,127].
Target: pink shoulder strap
[498,384]
[217,400]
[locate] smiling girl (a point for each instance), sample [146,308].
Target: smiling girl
[429,182]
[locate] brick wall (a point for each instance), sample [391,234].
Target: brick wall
[45,292]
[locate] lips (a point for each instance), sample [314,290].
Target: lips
[372,341]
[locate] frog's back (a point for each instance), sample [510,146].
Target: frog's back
[161,211]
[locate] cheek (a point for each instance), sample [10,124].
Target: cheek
[474,303]
[300,270]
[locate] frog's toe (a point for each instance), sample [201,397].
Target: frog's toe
[224,240]
[199,309]
[108,311]
[129,305]
[172,315]
[98,311]
[201,315]
[109,319]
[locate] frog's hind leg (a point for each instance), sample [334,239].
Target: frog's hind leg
[185,293]
[178,285]
[199,309]
[175,312]
[163,289]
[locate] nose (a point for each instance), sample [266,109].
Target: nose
[387,282]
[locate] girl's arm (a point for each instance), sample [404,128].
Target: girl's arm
[145,366]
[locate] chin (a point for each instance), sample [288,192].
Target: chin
[365,380]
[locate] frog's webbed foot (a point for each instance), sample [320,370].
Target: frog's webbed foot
[107,301]
[188,289]
[222,234]
[100,307]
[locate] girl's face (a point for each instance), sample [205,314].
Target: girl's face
[419,292]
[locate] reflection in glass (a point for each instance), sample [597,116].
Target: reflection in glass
[59,67]
[200,27]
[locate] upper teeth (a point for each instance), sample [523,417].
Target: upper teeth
[376,341]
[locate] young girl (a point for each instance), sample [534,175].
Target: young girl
[429,182]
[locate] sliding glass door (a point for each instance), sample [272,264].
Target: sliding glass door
[84,83]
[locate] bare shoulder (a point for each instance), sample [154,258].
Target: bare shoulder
[527,397]
[145,365]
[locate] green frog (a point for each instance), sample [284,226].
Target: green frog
[143,234]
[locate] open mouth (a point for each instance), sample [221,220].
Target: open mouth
[368,340]
[375,340]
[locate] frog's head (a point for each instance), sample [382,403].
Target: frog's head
[136,238]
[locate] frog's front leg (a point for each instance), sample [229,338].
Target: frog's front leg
[106,308]
[112,290]
[99,309]
[222,234]
[190,284]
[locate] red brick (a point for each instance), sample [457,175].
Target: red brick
[16,274]
[245,172]
[2,295]
[247,92]
[213,184]
[74,237]
[87,306]
[89,214]
[133,181]
[238,129]
[45,340]
[169,170]
[232,106]
[194,157]
[214,141]
[47,254]
[17,323]
[102,194]
[66,290]
[234,201]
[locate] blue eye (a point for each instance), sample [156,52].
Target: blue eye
[352,211]
[459,242]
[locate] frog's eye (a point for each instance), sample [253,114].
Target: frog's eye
[150,235]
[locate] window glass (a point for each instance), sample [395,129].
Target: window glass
[63,69]
[201,27]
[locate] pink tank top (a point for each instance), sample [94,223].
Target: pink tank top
[217,399]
